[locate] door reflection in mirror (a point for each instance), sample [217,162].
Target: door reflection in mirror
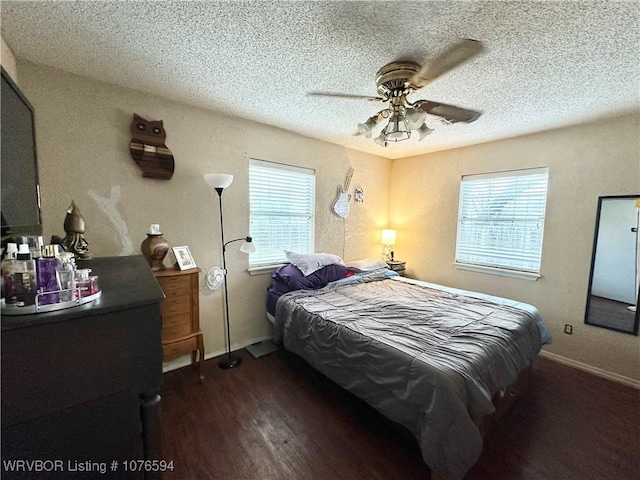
[614,281]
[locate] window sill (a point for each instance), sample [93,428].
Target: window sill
[263,269]
[531,276]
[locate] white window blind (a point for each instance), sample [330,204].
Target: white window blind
[501,219]
[282,206]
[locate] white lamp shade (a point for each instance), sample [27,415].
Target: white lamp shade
[248,247]
[218,180]
[423,131]
[388,237]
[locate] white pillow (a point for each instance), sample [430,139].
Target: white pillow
[366,265]
[308,263]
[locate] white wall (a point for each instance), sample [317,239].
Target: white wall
[585,162]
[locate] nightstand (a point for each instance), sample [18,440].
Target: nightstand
[397,266]
[180,309]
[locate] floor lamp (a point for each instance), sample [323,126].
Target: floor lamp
[220,181]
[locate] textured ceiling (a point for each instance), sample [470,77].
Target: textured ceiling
[546,64]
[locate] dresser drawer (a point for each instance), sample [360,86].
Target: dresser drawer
[176,285]
[176,305]
[175,327]
[181,347]
[181,334]
[181,320]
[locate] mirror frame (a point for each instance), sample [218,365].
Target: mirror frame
[636,322]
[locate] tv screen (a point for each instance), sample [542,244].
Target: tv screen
[19,174]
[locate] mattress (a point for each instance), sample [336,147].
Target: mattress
[428,357]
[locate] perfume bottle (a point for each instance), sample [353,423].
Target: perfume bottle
[83,281]
[46,267]
[25,277]
[66,273]
[8,275]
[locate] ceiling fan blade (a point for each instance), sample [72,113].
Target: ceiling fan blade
[345,95]
[450,113]
[445,61]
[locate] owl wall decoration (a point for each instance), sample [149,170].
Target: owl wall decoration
[148,149]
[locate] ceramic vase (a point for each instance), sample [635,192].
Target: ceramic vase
[155,248]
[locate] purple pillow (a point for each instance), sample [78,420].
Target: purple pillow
[295,279]
[278,286]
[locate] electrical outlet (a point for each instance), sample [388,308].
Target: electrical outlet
[568,329]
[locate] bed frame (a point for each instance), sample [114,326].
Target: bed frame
[503,401]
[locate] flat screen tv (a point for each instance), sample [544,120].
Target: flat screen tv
[20,192]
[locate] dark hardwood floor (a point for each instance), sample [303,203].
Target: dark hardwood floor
[276,418]
[609,313]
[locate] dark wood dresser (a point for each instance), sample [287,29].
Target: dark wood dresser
[81,385]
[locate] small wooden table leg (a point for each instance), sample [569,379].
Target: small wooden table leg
[200,355]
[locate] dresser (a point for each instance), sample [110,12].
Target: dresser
[181,332]
[82,384]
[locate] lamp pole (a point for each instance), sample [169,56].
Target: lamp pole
[230,360]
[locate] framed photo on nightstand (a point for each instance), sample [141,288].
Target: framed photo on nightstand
[184,258]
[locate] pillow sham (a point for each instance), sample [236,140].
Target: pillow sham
[310,262]
[366,265]
[291,275]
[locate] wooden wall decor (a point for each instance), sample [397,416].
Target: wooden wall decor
[148,149]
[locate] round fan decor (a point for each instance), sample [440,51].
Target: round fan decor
[214,278]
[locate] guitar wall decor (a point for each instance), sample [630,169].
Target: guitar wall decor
[341,205]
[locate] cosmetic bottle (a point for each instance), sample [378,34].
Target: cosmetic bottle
[35,243]
[47,267]
[66,273]
[25,277]
[86,283]
[9,294]
[83,281]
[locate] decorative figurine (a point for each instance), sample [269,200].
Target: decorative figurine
[148,149]
[74,227]
[358,195]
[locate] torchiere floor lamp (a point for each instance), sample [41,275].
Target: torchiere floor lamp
[220,181]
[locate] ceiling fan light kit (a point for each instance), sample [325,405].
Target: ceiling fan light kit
[396,80]
[367,127]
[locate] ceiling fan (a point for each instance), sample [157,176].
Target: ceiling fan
[397,80]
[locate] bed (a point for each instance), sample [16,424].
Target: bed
[435,359]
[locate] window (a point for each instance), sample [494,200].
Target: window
[282,206]
[501,221]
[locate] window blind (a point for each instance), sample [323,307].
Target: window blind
[501,219]
[282,206]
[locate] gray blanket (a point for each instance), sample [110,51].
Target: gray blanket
[428,359]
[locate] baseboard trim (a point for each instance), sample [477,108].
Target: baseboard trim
[590,369]
[185,360]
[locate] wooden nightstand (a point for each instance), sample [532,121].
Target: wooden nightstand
[397,266]
[181,315]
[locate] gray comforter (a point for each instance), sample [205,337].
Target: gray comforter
[426,358]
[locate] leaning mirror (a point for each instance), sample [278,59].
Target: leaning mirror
[614,281]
